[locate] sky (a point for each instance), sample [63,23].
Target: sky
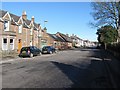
[65,17]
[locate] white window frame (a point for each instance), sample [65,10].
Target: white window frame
[8,25]
[3,44]
[20,28]
[12,44]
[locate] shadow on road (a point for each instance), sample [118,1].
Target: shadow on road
[95,75]
[91,77]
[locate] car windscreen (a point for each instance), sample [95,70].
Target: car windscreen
[25,49]
[46,47]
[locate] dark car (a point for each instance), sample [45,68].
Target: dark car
[29,51]
[48,49]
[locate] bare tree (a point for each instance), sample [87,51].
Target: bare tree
[106,13]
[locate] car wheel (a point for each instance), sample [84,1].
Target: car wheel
[40,54]
[31,55]
[50,52]
[56,51]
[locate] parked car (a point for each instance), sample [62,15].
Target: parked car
[30,51]
[48,49]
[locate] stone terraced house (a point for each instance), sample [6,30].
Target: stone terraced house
[17,32]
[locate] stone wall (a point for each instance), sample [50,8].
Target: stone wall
[7,53]
[115,54]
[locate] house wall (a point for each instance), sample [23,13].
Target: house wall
[27,36]
[1,39]
[9,35]
[64,45]
[24,37]
[35,38]
[39,36]
[44,39]
[50,41]
[69,44]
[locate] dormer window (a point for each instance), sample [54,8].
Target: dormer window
[6,25]
[20,28]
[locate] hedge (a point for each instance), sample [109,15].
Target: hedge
[114,47]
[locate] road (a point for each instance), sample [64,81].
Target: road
[78,68]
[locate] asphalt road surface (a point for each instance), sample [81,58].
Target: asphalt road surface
[78,68]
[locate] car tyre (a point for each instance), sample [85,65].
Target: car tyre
[50,52]
[31,55]
[56,51]
[40,54]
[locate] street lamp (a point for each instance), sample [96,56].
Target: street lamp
[45,22]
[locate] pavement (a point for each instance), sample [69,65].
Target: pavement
[9,59]
[113,68]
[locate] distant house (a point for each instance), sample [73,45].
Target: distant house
[67,39]
[56,41]
[76,41]
[87,43]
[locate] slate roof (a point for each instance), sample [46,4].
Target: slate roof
[2,13]
[1,20]
[75,37]
[25,25]
[27,21]
[65,37]
[55,37]
[36,25]
[16,18]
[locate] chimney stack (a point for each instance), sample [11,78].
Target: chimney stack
[24,16]
[32,19]
[72,35]
[67,35]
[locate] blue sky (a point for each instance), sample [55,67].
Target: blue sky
[65,17]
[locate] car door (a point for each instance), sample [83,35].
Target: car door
[37,50]
[52,49]
[32,50]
